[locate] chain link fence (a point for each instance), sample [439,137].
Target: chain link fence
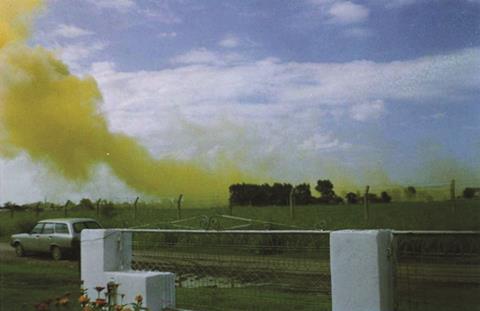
[437,271]
[290,269]
[240,270]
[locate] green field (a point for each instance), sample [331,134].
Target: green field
[25,282]
[397,215]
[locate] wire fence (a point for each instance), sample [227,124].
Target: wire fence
[240,270]
[437,271]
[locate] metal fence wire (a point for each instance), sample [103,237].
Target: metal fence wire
[437,271]
[240,270]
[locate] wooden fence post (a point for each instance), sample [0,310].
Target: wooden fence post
[37,210]
[135,207]
[365,202]
[65,208]
[179,206]
[291,200]
[98,207]
[452,196]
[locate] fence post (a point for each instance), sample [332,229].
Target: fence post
[362,270]
[365,203]
[98,207]
[37,210]
[106,256]
[452,196]
[65,208]
[230,208]
[135,208]
[179,206]
[291,201]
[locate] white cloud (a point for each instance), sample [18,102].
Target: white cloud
[76,54]
[323,142]
[346,12]
[71,31]
[171,34]
[119,5]
[368,111]
[205,56]
[229,41]
[256,109]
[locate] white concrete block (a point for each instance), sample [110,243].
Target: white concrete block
[361,270]
[157,288]
[106,255]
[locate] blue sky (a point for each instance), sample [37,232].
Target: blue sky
[373,91]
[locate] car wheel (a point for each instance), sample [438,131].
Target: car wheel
[56,253]
[19,251]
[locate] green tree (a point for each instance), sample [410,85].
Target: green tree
[352,198]
[469,193]
[410,192]
[385,197]
[327,194]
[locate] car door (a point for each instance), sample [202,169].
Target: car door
[46,237]
[31,243]
[62,236]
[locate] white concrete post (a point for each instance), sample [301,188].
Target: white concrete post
[361,270]
[106,255]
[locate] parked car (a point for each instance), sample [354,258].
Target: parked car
[58,237]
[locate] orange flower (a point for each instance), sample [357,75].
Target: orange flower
[63,301]
[139,298]
[100,302]
[83,299]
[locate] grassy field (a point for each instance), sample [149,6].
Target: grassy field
[25,282]
[398,215]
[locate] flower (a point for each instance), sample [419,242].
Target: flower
[83,299]
[99,288]
[139,298]
[100,302]
[63,301]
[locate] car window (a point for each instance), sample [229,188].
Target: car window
[48,229]
[61,228]
[37,229]
[79,226]
[92,225]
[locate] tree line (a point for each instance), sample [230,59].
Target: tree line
[281,193]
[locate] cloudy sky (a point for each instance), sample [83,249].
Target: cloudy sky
[373,91]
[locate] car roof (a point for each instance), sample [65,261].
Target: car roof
[68,220]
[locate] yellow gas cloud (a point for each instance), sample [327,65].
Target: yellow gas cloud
[55,118]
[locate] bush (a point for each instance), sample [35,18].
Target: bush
[25,225]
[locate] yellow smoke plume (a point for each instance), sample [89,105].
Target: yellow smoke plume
[55,118]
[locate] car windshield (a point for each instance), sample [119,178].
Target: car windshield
[79,226]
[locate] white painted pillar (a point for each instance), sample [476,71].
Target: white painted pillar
[361,270]
[106,255]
